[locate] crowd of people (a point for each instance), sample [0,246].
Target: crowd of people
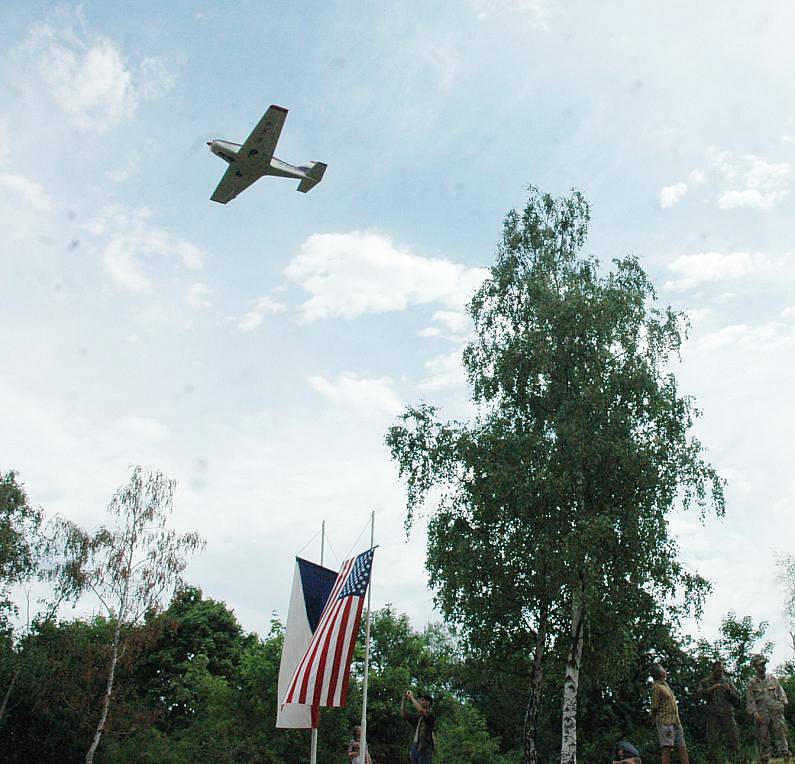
[765,700]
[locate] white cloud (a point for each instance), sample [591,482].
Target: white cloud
[130,240]
[537,12]
[697,315]
[350,274]
[89,78]
[143,429]
[706,267]
[199,295]
[750,197]
[122,265]
[80,458]
[444,371]
[265,305]
[126,170]
[750,180]
[359,393]
[765,337]
[93,87]
[742,181]
[21,189]
[670,195]
[155,79]
[454,325]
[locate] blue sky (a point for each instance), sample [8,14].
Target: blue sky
[257,352]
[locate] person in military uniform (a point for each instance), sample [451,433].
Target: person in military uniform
[719,692]
[765,699]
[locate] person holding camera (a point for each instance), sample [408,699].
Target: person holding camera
[424,723]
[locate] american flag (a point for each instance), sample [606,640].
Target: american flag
[322,675]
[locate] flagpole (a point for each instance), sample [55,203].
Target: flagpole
[315,713]
[363,739]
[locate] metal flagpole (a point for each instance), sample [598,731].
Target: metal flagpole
[363,739]
[316,711]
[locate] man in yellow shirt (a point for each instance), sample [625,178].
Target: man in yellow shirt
[665,715]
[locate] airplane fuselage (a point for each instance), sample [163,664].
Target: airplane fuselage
[253,165]
[251,160]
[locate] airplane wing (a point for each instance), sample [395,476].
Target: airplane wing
[265,135]
[232,184]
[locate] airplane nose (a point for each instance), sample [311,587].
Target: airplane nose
[209,143]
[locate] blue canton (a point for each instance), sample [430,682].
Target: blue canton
[359,577]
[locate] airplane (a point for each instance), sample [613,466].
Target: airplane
[254,159]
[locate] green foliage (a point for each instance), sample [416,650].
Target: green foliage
[53,711]
[557,492]
[737,642]
[20,525]
[130,567]
[463,736]
[191,629]
[223,681]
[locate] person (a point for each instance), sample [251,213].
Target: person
[720,694]
[625,753]
[354,756]
[665,715]
[765,700]
[424,723]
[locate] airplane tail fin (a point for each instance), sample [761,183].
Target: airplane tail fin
[315,173]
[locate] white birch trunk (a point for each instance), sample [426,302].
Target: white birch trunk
[568,746]
[530,755]
[106,698]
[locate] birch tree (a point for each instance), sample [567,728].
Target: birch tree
[25,561]
[553,500]
[131,567]
[20,526]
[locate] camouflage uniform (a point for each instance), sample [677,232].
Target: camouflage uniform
[720,712]
[766,698]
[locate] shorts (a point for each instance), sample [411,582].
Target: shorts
[671,735]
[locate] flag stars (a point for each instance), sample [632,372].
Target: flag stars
[359,577]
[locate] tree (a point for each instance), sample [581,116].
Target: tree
[65,673]
[20,525]
[189,627]
[553,501]
[131,567]
[403,658]
[25,556]
[735,646]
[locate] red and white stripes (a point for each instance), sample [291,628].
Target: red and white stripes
[321,677]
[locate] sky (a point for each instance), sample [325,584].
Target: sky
[257,352]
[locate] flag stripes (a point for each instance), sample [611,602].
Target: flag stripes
[303,673]
[312,585]
[322,676]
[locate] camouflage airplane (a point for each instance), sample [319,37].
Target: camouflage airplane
[254,159]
